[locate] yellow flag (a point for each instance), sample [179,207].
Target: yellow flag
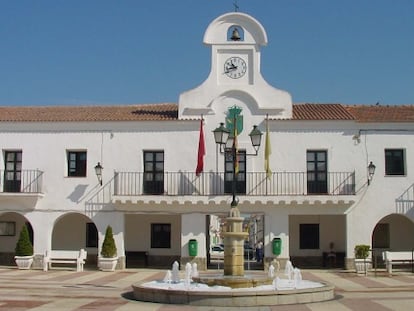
[268,151]
[236,160]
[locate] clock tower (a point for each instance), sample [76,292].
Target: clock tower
[235,40]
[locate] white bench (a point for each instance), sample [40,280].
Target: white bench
[391,258]
[63,256]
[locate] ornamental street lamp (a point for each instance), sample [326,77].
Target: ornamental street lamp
[98,172]
[371,172]
[226,139]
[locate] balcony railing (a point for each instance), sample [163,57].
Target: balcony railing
[213,184]
[405,202]
[25,181]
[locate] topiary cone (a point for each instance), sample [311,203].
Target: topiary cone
[108,246]
[24,247]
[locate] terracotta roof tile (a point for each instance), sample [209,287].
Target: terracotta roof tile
[320,112]
[169,111]
[379,113]
[89,113]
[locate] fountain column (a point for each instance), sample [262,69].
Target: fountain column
[234,238]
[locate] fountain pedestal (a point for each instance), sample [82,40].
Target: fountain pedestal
[234,238]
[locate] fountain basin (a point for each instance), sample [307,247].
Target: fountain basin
[246,281]
[198,294]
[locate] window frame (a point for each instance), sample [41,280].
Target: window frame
[393,160]
[7,228]
[309,239]
[154,170]
[317,171]
[13,168]
[80,166]
[228,172]
[161,238]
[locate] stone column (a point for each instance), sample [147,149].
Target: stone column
[234,238]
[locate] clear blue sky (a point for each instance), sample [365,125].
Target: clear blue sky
[76,52]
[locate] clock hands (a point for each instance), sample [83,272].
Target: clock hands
[235,67]
[230,68]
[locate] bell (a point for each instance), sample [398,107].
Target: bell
[235,36]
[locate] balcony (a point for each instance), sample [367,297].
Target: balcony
[23,188]
[251,184]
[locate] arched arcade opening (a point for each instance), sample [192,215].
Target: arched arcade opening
[75,231]
[394,232]
[11,224]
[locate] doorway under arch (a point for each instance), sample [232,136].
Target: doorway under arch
[11,224]
[394,232]
[75,231]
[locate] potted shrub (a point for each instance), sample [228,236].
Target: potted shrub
[24,250]
[362,262]
[108,259]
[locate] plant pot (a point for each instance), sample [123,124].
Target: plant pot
[24,262]
[107,264]
[362,266]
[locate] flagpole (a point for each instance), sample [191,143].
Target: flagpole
[201,149]
[202,175]
[267,152]
[235,170]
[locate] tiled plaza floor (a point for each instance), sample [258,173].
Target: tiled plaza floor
[59,289]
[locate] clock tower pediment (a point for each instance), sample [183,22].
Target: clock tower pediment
[235,40]
[253,31]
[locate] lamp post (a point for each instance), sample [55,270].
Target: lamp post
[371,171]
[98,172]
[234,237]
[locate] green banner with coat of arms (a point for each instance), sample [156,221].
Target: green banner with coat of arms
[234,117]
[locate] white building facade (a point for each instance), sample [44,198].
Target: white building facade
[317,193]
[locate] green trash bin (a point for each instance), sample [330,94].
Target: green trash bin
[277,246]
[192,247]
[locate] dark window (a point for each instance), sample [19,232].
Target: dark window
[228,173]
[381,236]
[160,235]
[30,229]
[77,163]
[7,228]
[91,235]
[154,172]
[309,236]
[12,171]
[317,171]
[394,162]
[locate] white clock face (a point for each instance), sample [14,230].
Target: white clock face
[235,67]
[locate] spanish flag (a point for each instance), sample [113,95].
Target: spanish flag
[268,151]
[201,150]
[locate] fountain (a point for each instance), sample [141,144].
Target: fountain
[290,290]
[233,287]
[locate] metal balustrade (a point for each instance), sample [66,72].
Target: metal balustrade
[211,183]
[24,181]
[405,201]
